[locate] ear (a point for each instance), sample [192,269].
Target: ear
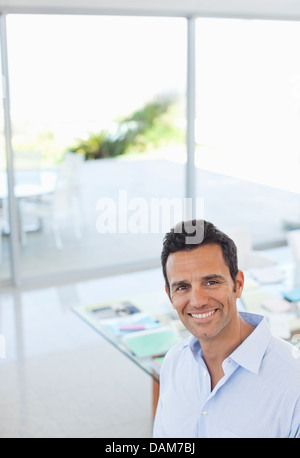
[239,283]
[168,293]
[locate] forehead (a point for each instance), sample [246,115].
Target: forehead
[207,259]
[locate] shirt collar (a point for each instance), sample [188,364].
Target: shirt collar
[251,352]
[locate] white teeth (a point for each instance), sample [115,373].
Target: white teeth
[202,315]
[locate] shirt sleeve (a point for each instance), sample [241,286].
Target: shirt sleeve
[164,426]
[295,430]
[158,430]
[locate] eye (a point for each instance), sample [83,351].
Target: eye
[212,283]
[182,288]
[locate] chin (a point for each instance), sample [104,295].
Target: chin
[205,333]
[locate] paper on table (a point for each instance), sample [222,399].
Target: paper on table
[112,309]
[156,342]
[135,322]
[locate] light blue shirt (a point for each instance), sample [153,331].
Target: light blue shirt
[258,396]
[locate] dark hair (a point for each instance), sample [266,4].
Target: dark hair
[180,238]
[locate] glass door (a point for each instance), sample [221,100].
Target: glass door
[247,128]
[5,249]
[5,266]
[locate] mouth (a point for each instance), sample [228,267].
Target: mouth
[202,316]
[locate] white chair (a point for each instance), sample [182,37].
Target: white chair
[64,204]
[247,257]
[27,167]
[293,238]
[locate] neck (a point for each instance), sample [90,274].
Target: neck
[216,349]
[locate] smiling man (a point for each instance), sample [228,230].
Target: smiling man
[231,378]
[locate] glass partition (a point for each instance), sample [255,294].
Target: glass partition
[247,128]
[98,117]
[5,267]
[5,252]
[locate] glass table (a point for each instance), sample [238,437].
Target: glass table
[22,191]
[119,330]
[142,328]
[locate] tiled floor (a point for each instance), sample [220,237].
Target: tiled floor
[60,378]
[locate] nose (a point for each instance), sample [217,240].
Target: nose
[198,296]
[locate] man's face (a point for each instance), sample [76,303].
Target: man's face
[202,290]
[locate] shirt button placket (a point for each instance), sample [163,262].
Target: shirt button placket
[202,425]
[205,394]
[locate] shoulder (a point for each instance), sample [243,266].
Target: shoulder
[285,354]
[282,368]
[178,349]
[178,354]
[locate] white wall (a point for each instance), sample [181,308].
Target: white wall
[285,9]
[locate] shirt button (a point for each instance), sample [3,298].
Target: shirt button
[204,413]
[204,373]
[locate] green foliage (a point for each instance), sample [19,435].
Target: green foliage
[151,126]
[43,143]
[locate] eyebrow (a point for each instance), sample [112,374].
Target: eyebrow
[205,278]
[213,277]
[178,283]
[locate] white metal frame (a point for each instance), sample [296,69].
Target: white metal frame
[191,107]
[13,211]
[247,9]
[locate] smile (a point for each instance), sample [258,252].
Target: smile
[203,315]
